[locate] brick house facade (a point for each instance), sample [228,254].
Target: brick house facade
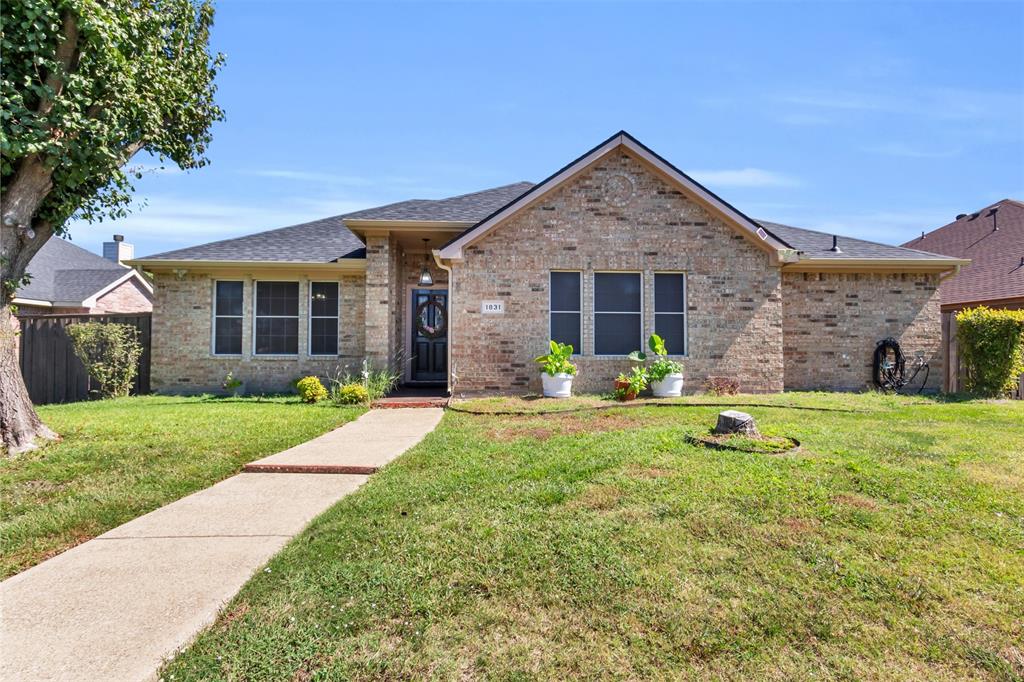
[460,290]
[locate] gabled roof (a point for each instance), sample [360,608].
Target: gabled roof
[996,271]
[462,208]
[621,139]
[321,241]
[67,274]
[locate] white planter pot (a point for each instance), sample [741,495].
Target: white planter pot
[558,386]
[669,387]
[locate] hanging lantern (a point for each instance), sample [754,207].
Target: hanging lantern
[426,279]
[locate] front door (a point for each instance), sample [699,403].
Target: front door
[429,351]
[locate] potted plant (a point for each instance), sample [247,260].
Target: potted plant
[556,370]
[666,375]
[628,386]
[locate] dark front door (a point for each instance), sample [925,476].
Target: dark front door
[429,335]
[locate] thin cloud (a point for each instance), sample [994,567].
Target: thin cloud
[902,150]
[939,103]
[745,177]
[888,227]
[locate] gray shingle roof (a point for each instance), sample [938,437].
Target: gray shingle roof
[320,241]
[819,244]
[64,272]
[468,208]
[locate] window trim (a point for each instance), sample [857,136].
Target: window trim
[256,317]
[551,310]
[686,308]
[310,317]
[594,312]
[214,316]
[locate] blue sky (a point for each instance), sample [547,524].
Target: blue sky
[874,120]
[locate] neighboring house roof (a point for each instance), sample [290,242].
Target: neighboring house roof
[462,208]
[320,241]
[996,271]
[65,274]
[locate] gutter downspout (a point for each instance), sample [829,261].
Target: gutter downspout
[451,317]
[946,275]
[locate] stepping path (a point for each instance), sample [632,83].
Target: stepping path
[114,608]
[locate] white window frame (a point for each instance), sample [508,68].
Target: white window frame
[594,311]
[686,308]
[551,310]
[256,317]
[214,315]
[310,317]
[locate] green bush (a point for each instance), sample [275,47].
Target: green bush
[991,344]
[110,353]
[311,390]
[351,394]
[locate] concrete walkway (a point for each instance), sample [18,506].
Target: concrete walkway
[115,607]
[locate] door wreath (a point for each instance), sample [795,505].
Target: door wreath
[440,326]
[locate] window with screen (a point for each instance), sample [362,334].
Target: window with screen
[565,309]
[617,313]
[323,318]
[277,318]
[227,318]
[670,310]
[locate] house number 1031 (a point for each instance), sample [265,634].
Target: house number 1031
[492,307]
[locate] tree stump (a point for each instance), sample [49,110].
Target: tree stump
[733,421]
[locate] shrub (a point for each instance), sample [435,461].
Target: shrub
[110,353]
[991,344]
[350,394]
[721,386]
[311,390]
[377,382]
[557,361]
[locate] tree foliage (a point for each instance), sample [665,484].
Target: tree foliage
[88,84]
[110,353]
[991,346]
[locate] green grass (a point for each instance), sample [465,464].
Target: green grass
[600,544]
[122,458]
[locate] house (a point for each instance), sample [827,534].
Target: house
[993,239]
[68,280]
[466,291]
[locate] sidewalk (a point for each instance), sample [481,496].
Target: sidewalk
[115,607]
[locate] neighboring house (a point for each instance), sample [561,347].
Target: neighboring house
[68,280]
[993,239]
[468,290]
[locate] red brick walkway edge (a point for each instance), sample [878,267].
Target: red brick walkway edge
[307,469]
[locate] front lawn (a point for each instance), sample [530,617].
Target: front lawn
[122,458]
[601,544]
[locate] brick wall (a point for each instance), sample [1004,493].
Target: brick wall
[617,215]
[127,297]
[832,322]
[182,327]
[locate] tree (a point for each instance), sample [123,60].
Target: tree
[85,86]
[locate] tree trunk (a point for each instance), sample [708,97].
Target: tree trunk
[20,426]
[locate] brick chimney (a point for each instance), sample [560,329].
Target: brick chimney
[117,250]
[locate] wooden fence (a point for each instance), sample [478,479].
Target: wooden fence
[954,378]
[52,372]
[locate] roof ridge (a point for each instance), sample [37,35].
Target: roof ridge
[482,191]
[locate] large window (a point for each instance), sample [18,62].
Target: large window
[277,318]
[227,318]
[617,313]
[323,318]
[670,310]
[565,309]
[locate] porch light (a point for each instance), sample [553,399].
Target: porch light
[426,279]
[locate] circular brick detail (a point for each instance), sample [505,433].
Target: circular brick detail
[619,189]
